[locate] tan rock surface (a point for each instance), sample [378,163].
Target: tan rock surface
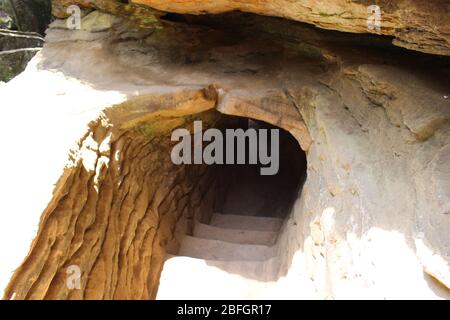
[414,24]
[417,25]
[89,179]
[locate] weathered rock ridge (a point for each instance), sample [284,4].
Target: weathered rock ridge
[413,24]
[100,192]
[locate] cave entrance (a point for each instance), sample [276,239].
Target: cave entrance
[243,190]
[232,244]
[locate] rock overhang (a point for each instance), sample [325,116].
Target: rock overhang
[416,25]
[349,106]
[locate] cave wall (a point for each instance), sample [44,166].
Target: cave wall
[115,215]
[375,131]
[361,223]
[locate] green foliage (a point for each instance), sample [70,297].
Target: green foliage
[13,64]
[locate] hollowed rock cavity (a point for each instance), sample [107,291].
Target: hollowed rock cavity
[96,209]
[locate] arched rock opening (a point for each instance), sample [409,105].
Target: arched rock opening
[125,205]
[249,192]
[366,225]
[240,234]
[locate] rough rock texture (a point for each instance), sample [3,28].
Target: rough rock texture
[372,218]
[116,212]
[414,24]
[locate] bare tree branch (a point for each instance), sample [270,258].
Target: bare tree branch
[18,50]
[20,34]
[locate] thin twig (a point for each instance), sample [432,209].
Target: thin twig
[18,34]
[19,50]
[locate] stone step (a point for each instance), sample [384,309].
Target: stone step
[232,221]
[235,236]
[189,278]
[224,251]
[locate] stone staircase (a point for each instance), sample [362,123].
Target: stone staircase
[231,258]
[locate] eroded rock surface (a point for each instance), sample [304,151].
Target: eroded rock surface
[415,24]
[370,222]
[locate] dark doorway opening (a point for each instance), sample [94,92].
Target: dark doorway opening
[244,191]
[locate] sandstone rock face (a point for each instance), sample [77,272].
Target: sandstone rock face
[115,213]
[416,25]
[101,193]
